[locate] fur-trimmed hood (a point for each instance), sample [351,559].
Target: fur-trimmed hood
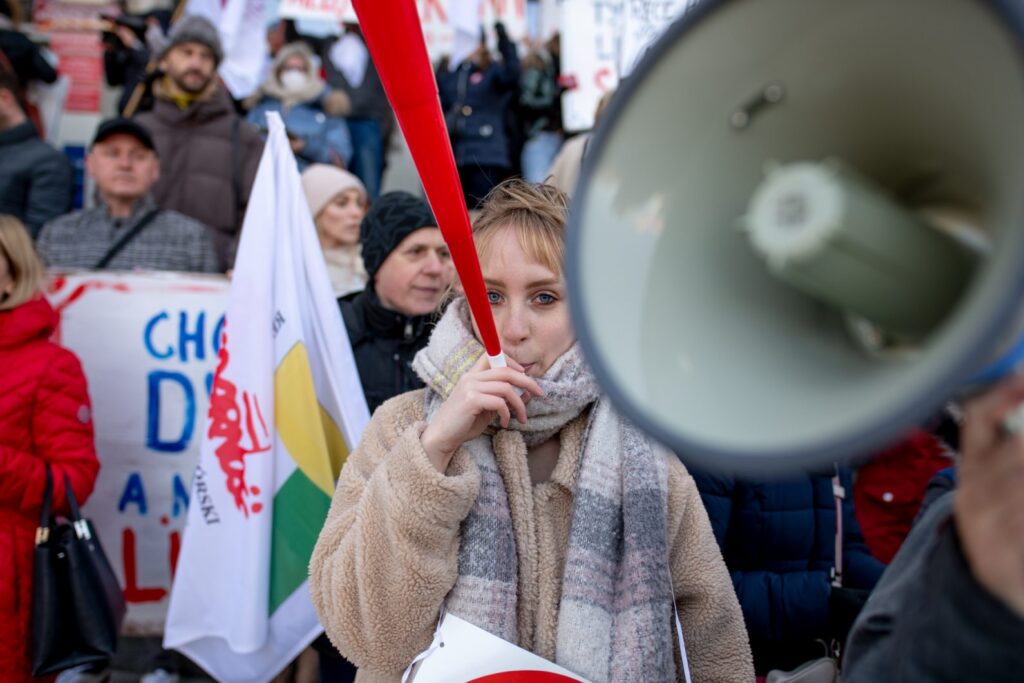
[333,102]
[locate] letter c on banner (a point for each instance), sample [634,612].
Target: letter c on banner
[148,337]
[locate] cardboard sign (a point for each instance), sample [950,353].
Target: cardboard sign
[148,345]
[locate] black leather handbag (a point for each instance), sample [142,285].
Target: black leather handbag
[77,603]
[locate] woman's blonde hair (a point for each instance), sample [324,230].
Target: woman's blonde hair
[536,213]
[22,262]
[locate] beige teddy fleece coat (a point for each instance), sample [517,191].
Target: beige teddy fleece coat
[388,553]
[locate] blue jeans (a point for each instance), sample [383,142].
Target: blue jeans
[367,153]
[538,153]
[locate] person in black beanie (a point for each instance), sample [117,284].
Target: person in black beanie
[410,271]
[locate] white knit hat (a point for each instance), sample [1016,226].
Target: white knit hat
[323,182]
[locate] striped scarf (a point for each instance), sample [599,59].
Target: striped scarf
[615,615]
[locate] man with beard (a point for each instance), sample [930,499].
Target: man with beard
[208,154]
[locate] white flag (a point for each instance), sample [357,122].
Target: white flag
[285,409]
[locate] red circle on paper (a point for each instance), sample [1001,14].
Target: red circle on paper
[523,677]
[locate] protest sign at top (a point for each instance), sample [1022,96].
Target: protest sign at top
[602,40]
[434,17]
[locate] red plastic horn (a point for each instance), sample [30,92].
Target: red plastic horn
[394,38]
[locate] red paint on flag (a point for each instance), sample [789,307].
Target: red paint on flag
[226,423]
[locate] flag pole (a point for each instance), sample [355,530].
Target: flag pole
[395,41]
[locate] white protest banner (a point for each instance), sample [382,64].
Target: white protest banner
[601,42]
[148,344]
[591,40]
[645,21]
[318,10]
[435,18]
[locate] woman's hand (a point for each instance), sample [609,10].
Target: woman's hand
[988,503]
[478,396]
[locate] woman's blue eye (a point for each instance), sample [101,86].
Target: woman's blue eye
[544,298]
[494,297]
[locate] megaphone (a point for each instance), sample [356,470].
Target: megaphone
[799,228]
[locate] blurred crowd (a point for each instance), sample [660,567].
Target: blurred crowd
[172,174]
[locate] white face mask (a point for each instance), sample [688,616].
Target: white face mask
[293,80]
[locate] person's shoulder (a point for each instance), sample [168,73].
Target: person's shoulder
[38,150]
[181,222]
[249,134]
[353,315]
[679,477]
[63,224]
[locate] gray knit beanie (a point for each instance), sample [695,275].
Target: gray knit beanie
[194,29]
[390,220]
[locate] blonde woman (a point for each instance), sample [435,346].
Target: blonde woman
[338,202]
[520,500]
[45,418]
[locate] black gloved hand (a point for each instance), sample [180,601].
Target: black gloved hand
[499,29]
[844,604]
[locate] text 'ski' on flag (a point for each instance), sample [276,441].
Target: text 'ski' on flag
[285,410]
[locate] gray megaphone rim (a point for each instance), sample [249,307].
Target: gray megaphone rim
[837,448]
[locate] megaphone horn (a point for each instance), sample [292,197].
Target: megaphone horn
[873,155]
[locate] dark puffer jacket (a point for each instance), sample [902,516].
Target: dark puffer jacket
[208,162]
[384,343]
[45,417]
[35,179]
[479,101]
[778,539]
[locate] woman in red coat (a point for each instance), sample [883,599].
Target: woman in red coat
[45,417]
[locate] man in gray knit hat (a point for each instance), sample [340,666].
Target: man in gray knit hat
[208,154]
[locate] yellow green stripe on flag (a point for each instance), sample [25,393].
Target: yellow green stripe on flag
[314,442]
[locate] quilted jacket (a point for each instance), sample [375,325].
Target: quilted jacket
[778,539]
[45,417]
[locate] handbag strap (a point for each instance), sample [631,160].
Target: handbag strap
[43,530]
[120,244]
[839,494]
[80,525]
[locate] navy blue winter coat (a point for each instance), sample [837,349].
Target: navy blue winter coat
[479,115]
[778,540]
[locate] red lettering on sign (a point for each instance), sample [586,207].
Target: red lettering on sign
[132,591]
[228,417]
[433,6]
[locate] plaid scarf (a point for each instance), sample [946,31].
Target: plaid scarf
[615,615]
